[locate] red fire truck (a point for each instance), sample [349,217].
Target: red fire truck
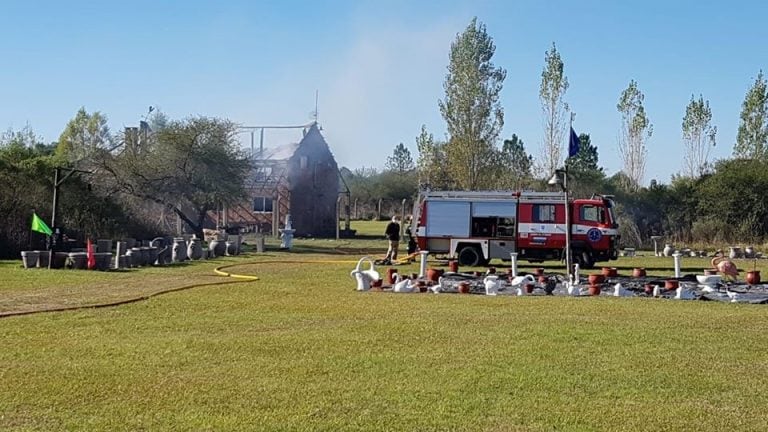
[476,227]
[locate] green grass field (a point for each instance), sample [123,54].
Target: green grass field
[300,350]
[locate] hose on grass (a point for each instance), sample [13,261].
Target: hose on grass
[238,278]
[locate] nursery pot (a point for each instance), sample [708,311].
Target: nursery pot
[648,289]
[638,272]
[390,275]
[671,284]
[753,277]
[464,287]
[377,283]
[610,272]
[529,288]
[434,274]
[595,279]
[594,290]
[453,266]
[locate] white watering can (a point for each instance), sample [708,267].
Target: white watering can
[364,277]
[492,285]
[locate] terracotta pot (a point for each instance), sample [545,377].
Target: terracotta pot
[649,289]
[594,290]
[542,279]
[434,274]
[529,288]
[595,279]
[638,272]
[753,277]
[610,272]
[464,287]
[453,266]
[710,272]
[539,271]
[671,284]
[377,283]
[390,275]
[423,288]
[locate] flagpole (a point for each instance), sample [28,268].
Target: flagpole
[568,257]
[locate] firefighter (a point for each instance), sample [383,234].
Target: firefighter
[392,233]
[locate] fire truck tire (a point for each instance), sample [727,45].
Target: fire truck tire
[585,260]
[470,256]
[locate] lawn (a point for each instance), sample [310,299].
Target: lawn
[300,350]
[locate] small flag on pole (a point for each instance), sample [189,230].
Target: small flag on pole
[574,144]
[40,226]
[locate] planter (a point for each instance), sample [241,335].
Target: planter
[671,284]
[43,259]
[453,266]
[610,272]
[529,288]
[753,277]
[638,272]
[434,274]
[542,279]
[195,249]
[595,279]
[391,275]
[377,283]
[594,290]
[217,248]
[29,258]
[423,288]
[648,288]
[463,287]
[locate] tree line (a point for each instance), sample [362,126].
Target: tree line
[138,183]
[709,201]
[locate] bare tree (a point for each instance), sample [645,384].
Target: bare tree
[698,136]
[635,131]
[554,84]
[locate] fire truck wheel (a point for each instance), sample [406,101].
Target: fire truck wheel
[470,256]
[585,260]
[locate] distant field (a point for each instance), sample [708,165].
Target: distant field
[299,349]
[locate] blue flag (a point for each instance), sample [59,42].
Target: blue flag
[574,144]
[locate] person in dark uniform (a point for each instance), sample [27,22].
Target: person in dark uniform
[412,246]
[392,233]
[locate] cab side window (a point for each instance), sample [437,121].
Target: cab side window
[592,213]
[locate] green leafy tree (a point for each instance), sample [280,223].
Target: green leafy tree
[698,137]
[401,160]
[552,90]
[636,129]
[432,162]
[188,167]
[471,108]
[515,164]
[752,138]
[587,157]
[83,136]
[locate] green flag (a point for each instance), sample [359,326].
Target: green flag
[40,226]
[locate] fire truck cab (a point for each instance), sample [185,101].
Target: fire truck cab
[475,227]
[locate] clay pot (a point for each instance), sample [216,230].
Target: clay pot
[595,279]
[542,279]
[648,289]
[671,284]
[710,272]
[638,272]
[453,266]
[539,271]
[529,288]
[377,283]
[610,272]
[434,274]
[391,275]
[753,277]
[594,290]
[464,287]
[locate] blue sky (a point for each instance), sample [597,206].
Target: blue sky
[378,66]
